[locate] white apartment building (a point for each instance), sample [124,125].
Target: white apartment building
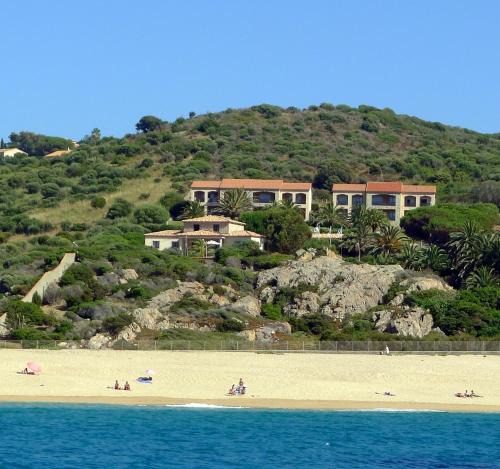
[263,192]
[393,198]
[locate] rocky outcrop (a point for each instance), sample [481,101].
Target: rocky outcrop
[99,341]
[151,318]
[4,330]
[165,299]
[305,303]
[268,332]
[425,282]
[128,274]
[411,322]
[342,288]
[247,305]
[129,333]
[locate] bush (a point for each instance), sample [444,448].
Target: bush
[98,202]
[230,325]
[115,324]
[272,311]
[170,199]
[21,314]
[77,273]
[437,222]
[27,333]
[138,291]
[151,214]
[120,208]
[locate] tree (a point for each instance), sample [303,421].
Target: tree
[169,199]
[234,202]
[464,249]
[192,114]
[2,143]
[119,208]
[358,240]
[148,124]
[482,277]
[412,256]
[193,209]
[375,218]
[286,231]
[150,214]
[21,314]
[37,144]
[435,258]
[330,215]
[330,173]
[95,135]
[98,202]
[49,190]
[389,240]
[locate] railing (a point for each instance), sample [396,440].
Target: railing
[423,346]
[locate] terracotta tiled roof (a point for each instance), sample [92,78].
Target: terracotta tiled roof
[419,189]
[162,234]
[394,187]
[213,218]
[348,187]
[252,184]
[384,187]
[243,233]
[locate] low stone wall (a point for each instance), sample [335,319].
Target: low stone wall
[50,277]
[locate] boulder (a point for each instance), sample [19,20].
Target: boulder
[426,282]
[306,255]
[151,318]
[129,333]
[99,341]
[247,305]
[128,274]
[343,288]
[4,331]
[109,279]
[306,303]
[165,299]
[269,331]
[412,322]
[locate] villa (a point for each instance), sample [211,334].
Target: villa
[393,198]
[263,192]
[11,152]
[212,230]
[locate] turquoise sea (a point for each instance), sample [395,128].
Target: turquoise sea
[85,436]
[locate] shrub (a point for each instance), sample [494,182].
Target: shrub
[21,314]
[170,199]
[37,300]
[98,202]
[138,291]
[115,324]
[77,273]
[272,311]
[27,333]
[120,208]
[151,214]
[230,325]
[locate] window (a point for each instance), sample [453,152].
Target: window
[199,196]
[357,200]
[264,197]
[300,199]
[410,201]
[342,199]
[287,196]
[196,227]
[175,244]
[217,228]
[425,201]
[213,197]
[391,214]
[156,244]
[384,199]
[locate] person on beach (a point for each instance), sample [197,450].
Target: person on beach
[232,391]
[127,386]
[117,386]
[387,351]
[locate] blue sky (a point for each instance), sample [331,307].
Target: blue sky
[68,67]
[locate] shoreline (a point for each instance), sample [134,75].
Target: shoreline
[248,403]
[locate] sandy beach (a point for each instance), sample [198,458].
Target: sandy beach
[288,380]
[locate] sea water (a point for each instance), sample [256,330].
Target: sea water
[85,436]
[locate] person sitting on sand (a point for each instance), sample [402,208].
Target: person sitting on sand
[232,391]
[117,386]
[127,386]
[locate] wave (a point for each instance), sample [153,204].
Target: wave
[200,405]
[390,409]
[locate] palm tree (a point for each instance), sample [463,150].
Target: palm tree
[435,258]
[390,239]
[287,203]
[199,248]
[482,277]
[375,218]
[234,202]
[330,215]
[358,240]
[193,209]
[412,256]
[465,249]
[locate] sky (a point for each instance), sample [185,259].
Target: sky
[68,67]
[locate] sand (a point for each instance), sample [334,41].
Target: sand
[287,380]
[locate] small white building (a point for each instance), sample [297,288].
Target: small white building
[213,230]
[11,152]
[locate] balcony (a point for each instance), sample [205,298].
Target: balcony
[385,200]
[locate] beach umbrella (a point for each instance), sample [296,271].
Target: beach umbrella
[150,372]
[35,367]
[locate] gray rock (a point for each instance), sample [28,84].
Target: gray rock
[128,274]
[413,322]
[4,330]
[109,279]
[343,288]
[269,331]
[165,299]
[99,341]
[151,318]
[129,333]
[306,303]
[247,305]
[426,282]
[99,311]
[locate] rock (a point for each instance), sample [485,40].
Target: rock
[151,318]
[165,299]
[397,300]
[247,305]
[343,288]
[306,303]
[219,300]
[427,282]
[248,334]
[4,330]
[128,274]
[413,322]
[99,311]
[306,255]
[109,279]
[269,331]
[99,341]
[129,333]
